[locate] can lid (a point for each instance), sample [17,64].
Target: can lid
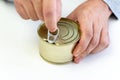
[68,32]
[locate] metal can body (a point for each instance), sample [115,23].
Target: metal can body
[56,54]
[61,51]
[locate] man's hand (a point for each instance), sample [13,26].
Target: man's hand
[93,18]
[47,10]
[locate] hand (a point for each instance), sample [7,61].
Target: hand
[47,10]
[93,18]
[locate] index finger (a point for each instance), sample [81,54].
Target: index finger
[50,14]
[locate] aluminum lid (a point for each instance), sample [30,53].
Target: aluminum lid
[68,32]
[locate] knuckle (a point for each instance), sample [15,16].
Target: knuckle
[26,18]
[89,34]
[34,19]
[49,13]
[94,42]
[105,43]
[85,12]
[33,16]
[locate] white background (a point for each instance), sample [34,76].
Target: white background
[19,51]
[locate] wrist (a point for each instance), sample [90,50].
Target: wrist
[107,7]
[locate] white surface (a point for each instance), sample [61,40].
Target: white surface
[19,53]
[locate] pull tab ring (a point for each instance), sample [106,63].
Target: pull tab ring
[52,36]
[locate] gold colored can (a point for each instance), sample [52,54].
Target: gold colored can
[61,50]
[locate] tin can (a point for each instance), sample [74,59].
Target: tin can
[61,50]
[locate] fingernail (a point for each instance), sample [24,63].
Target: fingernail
[53,29]
[76,53]
[78,60]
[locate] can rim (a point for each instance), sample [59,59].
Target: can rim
[73,42]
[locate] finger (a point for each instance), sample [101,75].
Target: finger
[58,6]
[50,15]
[93,43]
[20,9]
[104,40]
[86,36]
[96,36]
[38,8]
[30,9]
